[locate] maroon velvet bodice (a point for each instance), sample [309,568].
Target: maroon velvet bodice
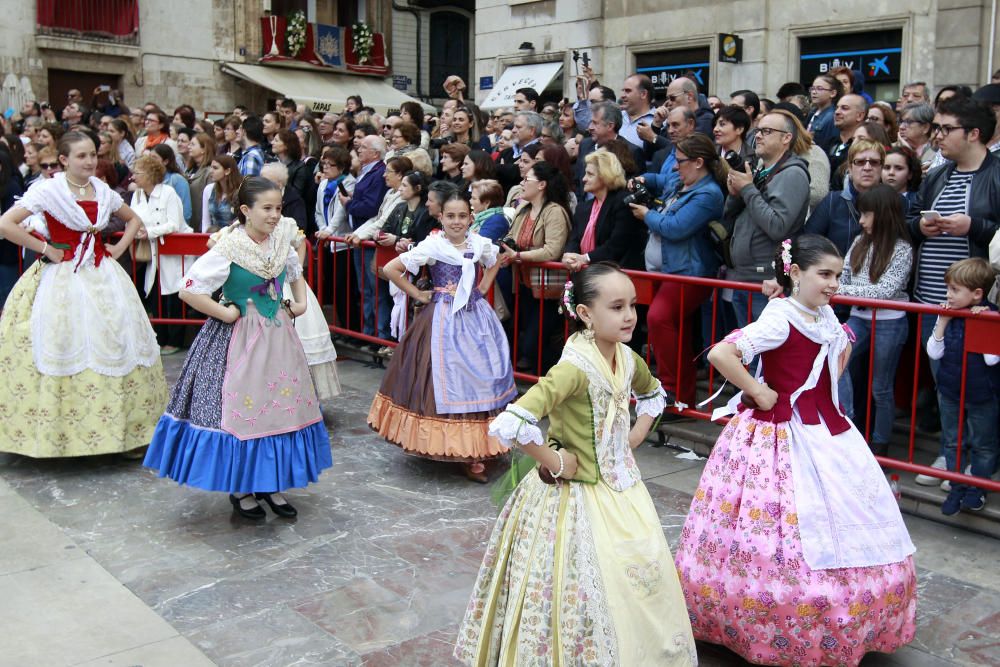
[785,370]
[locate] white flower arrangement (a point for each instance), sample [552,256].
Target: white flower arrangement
[363,41]
[296,32]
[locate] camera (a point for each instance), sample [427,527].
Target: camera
[640,195]
[734,160]
[509,242]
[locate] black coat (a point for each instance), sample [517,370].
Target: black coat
[619,236]
[588,146]
[420,226]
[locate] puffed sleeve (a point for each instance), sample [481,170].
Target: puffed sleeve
[34,199]
[518,424]
[115,201]
[416,257]
[768,332]
[489,255]
[650,399]
[293,267]
[207,274]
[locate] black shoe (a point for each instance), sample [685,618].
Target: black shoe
[252,513]
[285,509]
[670,398]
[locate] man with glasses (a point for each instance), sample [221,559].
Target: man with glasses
[765,207]
[683,92]
[847,117]
[605,122]
[325,126]
[965,195]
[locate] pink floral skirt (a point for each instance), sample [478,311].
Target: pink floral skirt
[746,583]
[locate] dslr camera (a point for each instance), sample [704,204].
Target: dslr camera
[640,195]
[735,161]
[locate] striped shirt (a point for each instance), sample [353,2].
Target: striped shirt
[939,252]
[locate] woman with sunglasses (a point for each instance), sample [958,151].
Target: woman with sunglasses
[837,217]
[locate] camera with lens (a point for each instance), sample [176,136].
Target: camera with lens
[735,161]
[640,195]
[509,242]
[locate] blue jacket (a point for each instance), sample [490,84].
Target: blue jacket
[495,227]
[982,382]
[663,183]
[836,218]
[369,192]
[183,190]
[685,245]
[824,132]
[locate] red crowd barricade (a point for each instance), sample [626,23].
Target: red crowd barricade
[331,269]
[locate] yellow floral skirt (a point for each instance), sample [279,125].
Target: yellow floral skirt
[577,574]
[46,416]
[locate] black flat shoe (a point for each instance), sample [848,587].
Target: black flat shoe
[285,509]
[256,513]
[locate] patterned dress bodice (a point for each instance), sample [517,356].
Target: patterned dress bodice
[446,277]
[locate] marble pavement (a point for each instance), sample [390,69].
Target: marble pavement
[105,564]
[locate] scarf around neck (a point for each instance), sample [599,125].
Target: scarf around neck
[483,216]
[267,259]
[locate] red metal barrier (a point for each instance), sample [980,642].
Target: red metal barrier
[982,331]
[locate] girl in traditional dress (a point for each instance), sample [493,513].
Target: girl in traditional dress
[244,417]
[79,362]
[451,372]
[794,551]
[577,571]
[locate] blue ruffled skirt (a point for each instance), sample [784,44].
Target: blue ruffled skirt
[190,446]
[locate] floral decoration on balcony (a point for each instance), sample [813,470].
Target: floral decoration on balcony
[296,33]
[364,40]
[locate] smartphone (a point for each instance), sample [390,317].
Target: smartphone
[104,89]
[930,215]
[343,190]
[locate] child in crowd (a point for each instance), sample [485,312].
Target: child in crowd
[877,266]
[451,372]
[794,551]
[577,570]
[968,281]
[244,417]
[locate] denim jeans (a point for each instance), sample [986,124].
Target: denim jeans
[740,300]
[890,337]
[368,285]
[979,436]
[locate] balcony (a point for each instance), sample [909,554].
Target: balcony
[108,22]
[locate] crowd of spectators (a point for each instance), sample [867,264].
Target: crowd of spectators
[689,185]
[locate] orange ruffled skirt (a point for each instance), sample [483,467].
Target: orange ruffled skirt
[404,410]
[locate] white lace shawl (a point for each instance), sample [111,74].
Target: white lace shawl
[436,247]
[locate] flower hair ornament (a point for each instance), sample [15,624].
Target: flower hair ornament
[568,307]
[786,255]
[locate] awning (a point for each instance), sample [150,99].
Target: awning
[323,91]
[537,76]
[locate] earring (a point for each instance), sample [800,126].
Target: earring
[795,288]
[588,333]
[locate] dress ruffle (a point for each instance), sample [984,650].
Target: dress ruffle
[217,461]
[652,404]
[439,438]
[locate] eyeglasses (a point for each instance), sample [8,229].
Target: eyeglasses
[682,160]
[866,162]
[768,131]
[46,166]
[152,120]
[820,89]
[530,180]
[326,165]
[675,96]
[910,121]
[945,130]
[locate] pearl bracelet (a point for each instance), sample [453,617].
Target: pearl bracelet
[562,465]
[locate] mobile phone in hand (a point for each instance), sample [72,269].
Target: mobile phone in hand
[342,189]
[930,215]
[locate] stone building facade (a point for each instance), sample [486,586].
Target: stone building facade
[892,41]
[179,50]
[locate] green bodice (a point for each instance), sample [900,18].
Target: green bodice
[242,285]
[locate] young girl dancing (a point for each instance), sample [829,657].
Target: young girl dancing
[244,417]
[794,551]
[451,372]
[79,362]
[577,571]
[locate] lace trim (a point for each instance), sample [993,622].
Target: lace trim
[591,581]
[510,429]
[651,404]
[743,344]
[522,413]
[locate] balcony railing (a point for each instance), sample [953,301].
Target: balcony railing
[113,21]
